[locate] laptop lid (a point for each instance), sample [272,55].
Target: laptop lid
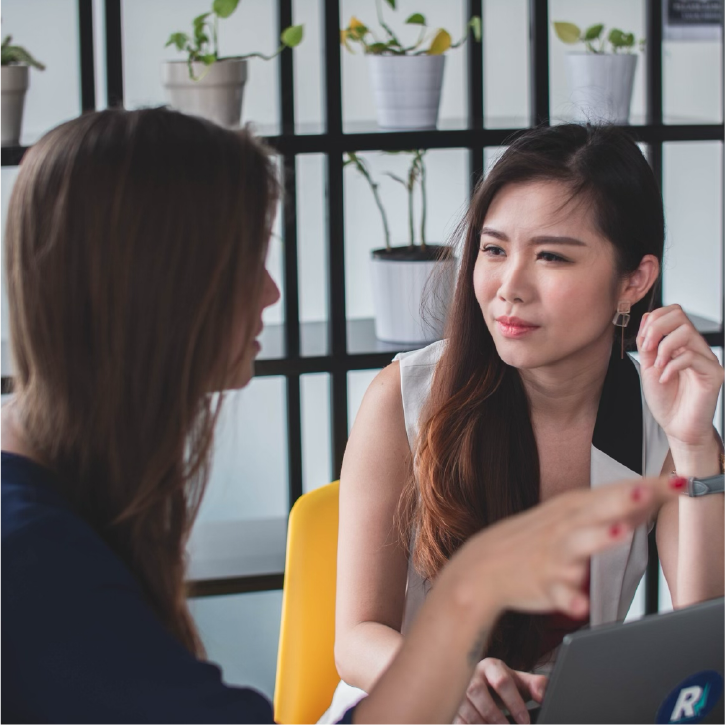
[663,668]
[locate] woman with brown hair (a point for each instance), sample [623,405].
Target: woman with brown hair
[135,260]
[531,395]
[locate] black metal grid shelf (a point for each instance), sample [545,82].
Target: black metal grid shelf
[339,345]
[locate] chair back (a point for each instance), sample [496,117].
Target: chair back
[306,673]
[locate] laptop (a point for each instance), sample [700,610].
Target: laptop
[663,668]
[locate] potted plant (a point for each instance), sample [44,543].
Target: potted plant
[412,284]
[600,82]
[16,62]
[205,84]
[406,79]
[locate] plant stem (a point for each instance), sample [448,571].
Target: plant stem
[374,188]
[384,25]
[423,199]
[215,29]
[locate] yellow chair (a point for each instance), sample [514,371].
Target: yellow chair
[306,673]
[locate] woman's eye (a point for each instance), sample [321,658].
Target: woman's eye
[492,250]
[551,257]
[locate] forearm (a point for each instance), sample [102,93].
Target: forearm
[701,531]
[427,680]
[365,652]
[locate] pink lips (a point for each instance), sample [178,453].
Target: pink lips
[514,327]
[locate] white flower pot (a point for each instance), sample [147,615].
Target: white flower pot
[217,95]
[407,89]
[15,79]
[601,85]
[411,298]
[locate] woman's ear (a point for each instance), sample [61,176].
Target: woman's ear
[638,283]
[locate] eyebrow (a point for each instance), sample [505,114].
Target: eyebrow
[537,241]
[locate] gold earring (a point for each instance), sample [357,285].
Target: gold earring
[622,317]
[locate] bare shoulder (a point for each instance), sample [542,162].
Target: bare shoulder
[378,442]
[382,404]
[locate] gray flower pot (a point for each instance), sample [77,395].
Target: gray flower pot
[15,80]
[217,95]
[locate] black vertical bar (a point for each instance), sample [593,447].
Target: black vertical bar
[85,34]
[335,233]
[539,31]
[294,438]
[475,71]
[475,95]
[654,62]
[114,54]
[291,272]
[654,118]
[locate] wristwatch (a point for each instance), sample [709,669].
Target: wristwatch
[704,486]
[710,484]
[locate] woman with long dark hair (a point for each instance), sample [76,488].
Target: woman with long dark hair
[531,395]
[135,260]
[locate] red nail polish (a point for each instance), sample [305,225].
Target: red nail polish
[636,493]
[615,530]
[678,483]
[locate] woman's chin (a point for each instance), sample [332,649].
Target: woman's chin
[522,357]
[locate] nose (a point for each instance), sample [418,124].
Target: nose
[515,283]
[270,291]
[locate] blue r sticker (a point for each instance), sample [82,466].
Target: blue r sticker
[692,699]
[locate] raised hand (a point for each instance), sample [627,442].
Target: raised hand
[681,377]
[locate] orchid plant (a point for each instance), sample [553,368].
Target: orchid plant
[414,177]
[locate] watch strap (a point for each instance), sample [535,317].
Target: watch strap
[704,486]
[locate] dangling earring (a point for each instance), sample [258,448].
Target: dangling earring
[621,318]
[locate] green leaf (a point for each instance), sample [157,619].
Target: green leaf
[475,25]
[377,48]
[208,59]
[391,3]
[441,42]
[199,20]
[224,8]
[6,42]
[567,32]
[619,39]
[416,19]
[593,32]
[292,36]
[17,54]
[180,40]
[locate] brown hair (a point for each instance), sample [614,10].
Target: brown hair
[135,248]
[476,459]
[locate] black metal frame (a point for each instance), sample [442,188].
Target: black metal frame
[333,142]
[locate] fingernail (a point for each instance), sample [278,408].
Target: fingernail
[646,345]
[678,483]
[636,493]
[615,530]
[522,718]
[659,362]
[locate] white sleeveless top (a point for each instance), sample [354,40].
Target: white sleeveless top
[627,443]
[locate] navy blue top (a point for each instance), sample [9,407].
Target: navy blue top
[79,641]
